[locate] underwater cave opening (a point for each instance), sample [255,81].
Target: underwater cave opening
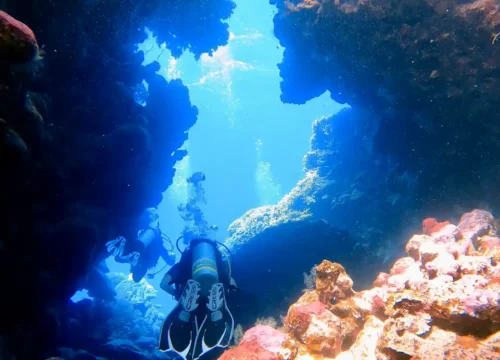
[95,136]
[247,142]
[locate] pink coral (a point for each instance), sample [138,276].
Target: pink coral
[381,279]
[316,327]
[444,264]
[18,43]
[431,225]
[259,343]
[441,302]
[488,243]
[402,265]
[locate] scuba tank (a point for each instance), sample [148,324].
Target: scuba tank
[150,225]
[149,222]
[149,228]
[204,268]
[204,261]
[170,260]
[146,237]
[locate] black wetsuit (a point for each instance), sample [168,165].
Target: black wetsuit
[149,255]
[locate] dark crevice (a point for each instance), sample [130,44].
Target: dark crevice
[396,355]
[468,326]
[349,341]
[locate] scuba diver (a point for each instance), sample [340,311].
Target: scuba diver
[143,255]
[147,249]
[201,323]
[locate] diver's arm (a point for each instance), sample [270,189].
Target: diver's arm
[165,284]
[128,259]
[169,258]
[224,275]
[164,253]
[169,278]
[122,259]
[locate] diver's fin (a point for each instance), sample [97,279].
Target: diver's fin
[217,327]
[114,246]
[181,326]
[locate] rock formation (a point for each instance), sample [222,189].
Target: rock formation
[348,208]
[428,70]
[127,328]
[83,150]
[441,301]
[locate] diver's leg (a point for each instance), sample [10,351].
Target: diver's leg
[180,327]
[127,259]
[139,266]
[216,331]
[165,285]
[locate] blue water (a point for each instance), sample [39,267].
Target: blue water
[247,142]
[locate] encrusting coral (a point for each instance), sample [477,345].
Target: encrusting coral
[442,301]
[18,44]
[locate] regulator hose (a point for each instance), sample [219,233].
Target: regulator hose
[167,239]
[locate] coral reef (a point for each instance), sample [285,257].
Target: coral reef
[18,44]
[441,301]
[80,158]
[257,220]
[258,343]
[310,278]
[376,169]
[267,321]
[268,268]
[427,69]
[127,328]
[430,225]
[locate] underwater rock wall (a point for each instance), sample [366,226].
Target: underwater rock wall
[81,156]
[127,328]
[418,138]
[270,268]
[351,207]
[440,301]
[428,69]
[364,192]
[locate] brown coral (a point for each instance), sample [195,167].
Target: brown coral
[332,282]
